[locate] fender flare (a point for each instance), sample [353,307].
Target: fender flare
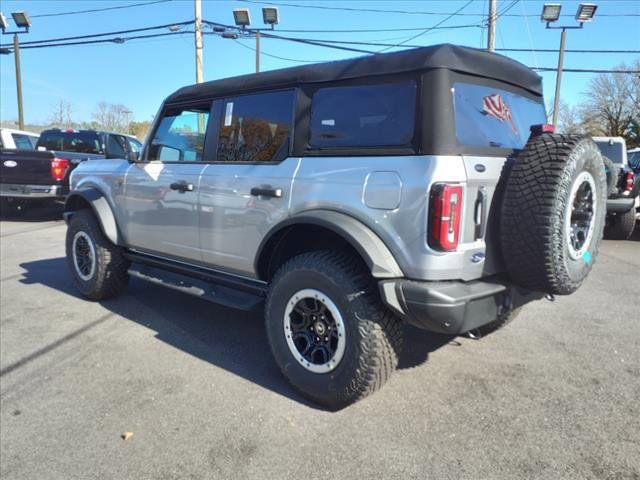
[101,208]
[368,244]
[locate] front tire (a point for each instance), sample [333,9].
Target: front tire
[97,266]
[329,332]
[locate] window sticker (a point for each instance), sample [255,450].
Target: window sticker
[494,106]
[228,114]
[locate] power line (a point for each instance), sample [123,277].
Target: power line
[428,29]
[106,40]
[582,70]
[262,52]
[93,35]
[411,12]
[368,30]
[98,9]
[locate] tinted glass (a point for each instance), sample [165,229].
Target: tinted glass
[256,128]
[134,145]
[613,152]
[71,141]
[363,116]
[492,117]
[24,142]
[116,146]
[180,136]
[634,159]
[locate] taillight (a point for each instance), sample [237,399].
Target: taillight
[628,184]
[59,168]
[445,206]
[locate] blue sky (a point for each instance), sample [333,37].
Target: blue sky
[141,73]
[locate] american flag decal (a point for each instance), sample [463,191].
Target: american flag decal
[495,106]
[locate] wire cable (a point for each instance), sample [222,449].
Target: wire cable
[77,12]
[93,35]
[428,29]
[408,12]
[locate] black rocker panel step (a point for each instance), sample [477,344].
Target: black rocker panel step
[211,292]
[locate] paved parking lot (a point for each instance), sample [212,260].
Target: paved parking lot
[554,395]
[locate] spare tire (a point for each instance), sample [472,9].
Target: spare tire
[612,175]
[553,213]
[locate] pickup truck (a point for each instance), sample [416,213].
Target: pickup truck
[11,138]
[43,174]
[623,201]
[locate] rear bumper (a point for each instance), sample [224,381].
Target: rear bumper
[620,205]
[453,306]
[9,190]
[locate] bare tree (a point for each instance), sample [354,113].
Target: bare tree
[113,117]
[61,115]
[569,119]
[611,106]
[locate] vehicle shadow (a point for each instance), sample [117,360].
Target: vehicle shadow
[227,338]
[35,212]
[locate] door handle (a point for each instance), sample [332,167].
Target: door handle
[479,213]
[182,186]
[266,192]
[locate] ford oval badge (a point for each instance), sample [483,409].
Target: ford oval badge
[477,257]
[10,163]
[479,167]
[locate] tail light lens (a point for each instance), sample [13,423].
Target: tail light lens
[59,168]
[445,207]
[628,184]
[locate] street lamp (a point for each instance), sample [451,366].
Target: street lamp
[550,14]
[270,16]
[241,17]
[22,20]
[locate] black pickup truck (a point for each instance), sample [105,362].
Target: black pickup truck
[43,174]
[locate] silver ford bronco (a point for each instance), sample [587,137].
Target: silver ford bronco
[345,198]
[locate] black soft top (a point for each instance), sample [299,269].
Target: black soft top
[452,57]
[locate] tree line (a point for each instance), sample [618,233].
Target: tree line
[611,107]
[112,117]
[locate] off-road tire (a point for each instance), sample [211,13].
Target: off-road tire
[620,226]
[373,334]
[534,238]
[110,275]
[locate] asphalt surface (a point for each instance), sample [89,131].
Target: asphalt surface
[556,394]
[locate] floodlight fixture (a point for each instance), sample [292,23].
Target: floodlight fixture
[3,22]
[242,17]
[21,19]
[585,12]
[270,16]
[550,12]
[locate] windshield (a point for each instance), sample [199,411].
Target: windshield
[613,151]
[71,141]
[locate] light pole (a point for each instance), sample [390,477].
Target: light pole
[550,14]
[198,39]
[242,19]
[22,20]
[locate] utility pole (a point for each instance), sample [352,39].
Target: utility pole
[257,51]
[556,99]
[198,40]
[491,31]
[16,54]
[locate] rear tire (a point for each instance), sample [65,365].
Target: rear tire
[553,213]
[365,350]
[97,266]
[620,226]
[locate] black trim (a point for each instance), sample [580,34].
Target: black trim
[245,284]
[452,57]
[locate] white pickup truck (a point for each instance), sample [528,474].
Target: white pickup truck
[17,139]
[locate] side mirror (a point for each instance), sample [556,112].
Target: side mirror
[133,156]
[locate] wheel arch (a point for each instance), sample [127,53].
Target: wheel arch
[95,200]
[291,237]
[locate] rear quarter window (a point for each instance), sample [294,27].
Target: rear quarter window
[493,117]
[363,116]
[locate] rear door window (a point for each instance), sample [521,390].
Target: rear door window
[493,117]
[256,128]
[116,146]
[180,135]
[363,116]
